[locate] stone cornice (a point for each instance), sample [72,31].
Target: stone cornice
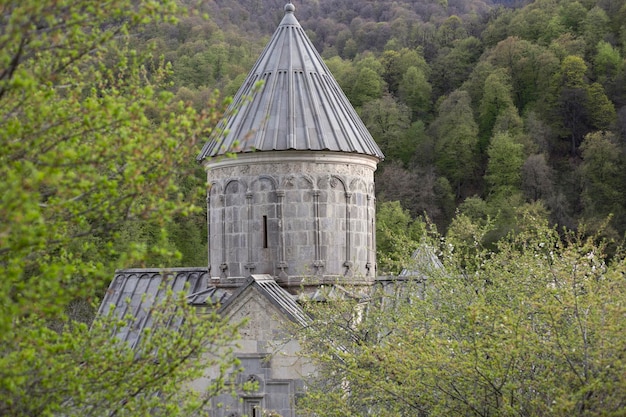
[317,157]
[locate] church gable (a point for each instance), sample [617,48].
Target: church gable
[262,318]
[268,355]
[266,307]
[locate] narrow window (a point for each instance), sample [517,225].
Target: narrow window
[252,408]
[265,231]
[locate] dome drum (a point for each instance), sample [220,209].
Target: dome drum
[311,218]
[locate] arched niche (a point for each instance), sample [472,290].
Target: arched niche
[235,230]
[264,225]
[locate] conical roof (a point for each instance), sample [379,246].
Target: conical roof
[299,107]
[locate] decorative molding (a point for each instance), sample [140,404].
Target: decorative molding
[283,275]
[317,157]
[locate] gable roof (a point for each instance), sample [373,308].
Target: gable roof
[134,292]
[424,262]
[299,107]
[278,296]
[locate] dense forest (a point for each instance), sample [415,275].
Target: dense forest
[481,108]
[495,117]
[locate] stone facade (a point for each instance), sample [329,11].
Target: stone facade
[268,354]
[294,215]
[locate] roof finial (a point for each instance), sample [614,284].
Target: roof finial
[289,7]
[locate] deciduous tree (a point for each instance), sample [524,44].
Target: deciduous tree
[603,176]
[90,147]
[456,136]
[533,328]
[504,168]
[415,90]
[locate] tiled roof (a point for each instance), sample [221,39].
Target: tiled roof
[299,107]
[134,292]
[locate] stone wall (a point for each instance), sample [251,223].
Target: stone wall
[292,215]
[269,357]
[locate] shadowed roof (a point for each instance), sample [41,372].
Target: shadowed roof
[300,106]
[133,293]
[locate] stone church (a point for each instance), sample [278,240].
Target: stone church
[293,211]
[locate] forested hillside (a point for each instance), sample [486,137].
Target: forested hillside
[494,117]
[481,108]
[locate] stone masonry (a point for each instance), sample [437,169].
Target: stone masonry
[293,215]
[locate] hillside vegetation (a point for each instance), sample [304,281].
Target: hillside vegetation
[481,108]
[494,118]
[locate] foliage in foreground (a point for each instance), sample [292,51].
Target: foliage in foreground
[533,328]
[92,152]
[80,371]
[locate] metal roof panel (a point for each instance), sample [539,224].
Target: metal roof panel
[134,292]
[299,107]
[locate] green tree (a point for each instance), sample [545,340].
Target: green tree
[452,65]
[91,149]
[572,15]
[496,99]
[450,30]
[397,236]
[79,370]
[534,328]
[367,86]
[603,177]
[415,91]
[345,74]
[567,44]
[531,22]
[396,64]
[193,71]
[608,63]
[601,110]
[596,27]
[572,105]
[529,66]
[504,168]
[388,120]
[456,139]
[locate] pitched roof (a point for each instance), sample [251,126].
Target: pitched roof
[300,105]
[424,263]
[134,292]
[277,295]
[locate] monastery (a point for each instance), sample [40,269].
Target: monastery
[292,213]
